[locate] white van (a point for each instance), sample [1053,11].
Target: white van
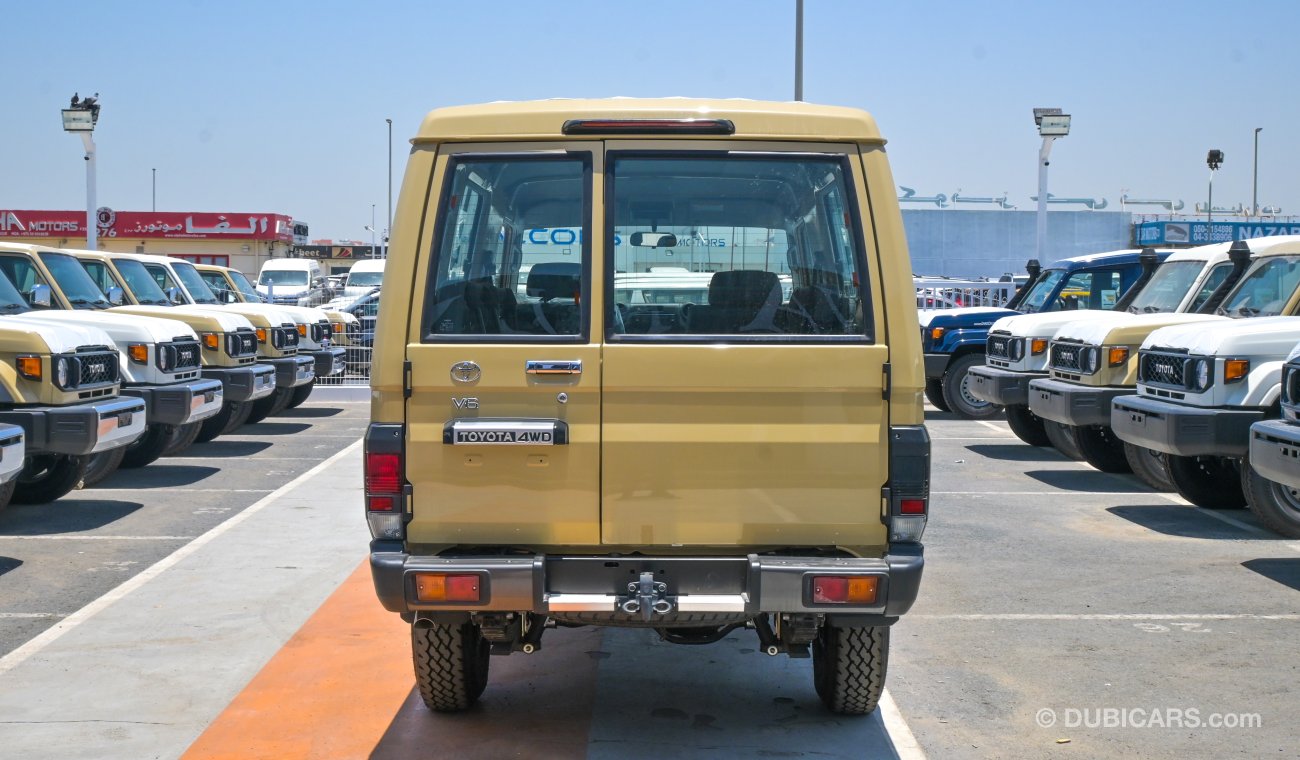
[363,277]
[289,280]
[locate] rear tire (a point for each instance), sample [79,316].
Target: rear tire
[101,465]
[1276,505]
[956,390]
[148,447]
[849,667]
[1149,465]
[934,392]
[1210,482]
[1027,426]
[1101,448]
[46,477]
[1063,439]
[451,664]
[300,395]
[183,437]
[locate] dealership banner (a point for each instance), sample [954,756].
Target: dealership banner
[147,224]
[1199,233]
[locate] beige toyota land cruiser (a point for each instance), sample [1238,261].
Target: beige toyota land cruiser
[740,446]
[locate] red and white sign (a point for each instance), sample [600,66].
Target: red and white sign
[147,224]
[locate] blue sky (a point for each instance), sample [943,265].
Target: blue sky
[280,106]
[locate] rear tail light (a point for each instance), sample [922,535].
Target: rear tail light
[908,491]
[444,587]
[385,482]
[840,589]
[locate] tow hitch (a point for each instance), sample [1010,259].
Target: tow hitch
[646,596]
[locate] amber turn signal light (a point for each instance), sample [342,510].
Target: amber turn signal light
[441,587]
[838,589]
[30,367]
[1235,369]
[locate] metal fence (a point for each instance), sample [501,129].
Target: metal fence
[948,293]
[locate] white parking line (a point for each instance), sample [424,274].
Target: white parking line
[52,634]
[996,428]
[1041,493]
[900,734]
[1218,515]
[970,438]
[97,538]
[29,615]
[1102,616]
[186,489]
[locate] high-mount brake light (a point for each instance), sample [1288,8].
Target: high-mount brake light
[649,127]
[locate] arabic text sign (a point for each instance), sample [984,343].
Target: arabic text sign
[146,224]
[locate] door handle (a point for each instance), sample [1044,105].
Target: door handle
[539,367]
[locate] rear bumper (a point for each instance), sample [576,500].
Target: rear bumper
[1275,451]
[79,429]
[1000,386]
[178,403]
[13,448]
[243,383]
[553,584]
[936,364]
[1187,431]
[329,361]
[293,371]
[1070,404]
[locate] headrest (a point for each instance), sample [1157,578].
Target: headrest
[743,287]
[555,279]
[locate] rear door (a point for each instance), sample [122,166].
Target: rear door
[504,411]
[747,410]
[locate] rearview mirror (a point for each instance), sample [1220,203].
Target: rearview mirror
[654,239]
[116,296]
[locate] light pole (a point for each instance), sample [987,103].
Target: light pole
[1213,159]
[81,117]
[798,49]
[1052,123]
[155,189]
[388,220]
[1254,182]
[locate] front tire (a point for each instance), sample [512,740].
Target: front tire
[46,477]
[300,395]
[1027,426]
[1210,482]
[183,437]
[1063,439]
[148,447]
[1149,465]
[101,465]
[268,405]
[934,392]
[849,667]
[956,390]
[451,664]
[1101,448]
[7,493]
[1276,505]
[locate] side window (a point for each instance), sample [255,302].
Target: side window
[161,276]
[1089,290]
[23,274]
[1212,283]
[744,246]
[510,260]
[99,273]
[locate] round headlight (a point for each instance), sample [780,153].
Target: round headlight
[164,358]
[1016,349]
[1091,359]
[62,371]
[1202,369]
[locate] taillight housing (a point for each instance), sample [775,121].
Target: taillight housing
[908,491]
[385,481]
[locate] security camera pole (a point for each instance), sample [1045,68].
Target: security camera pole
[80,117]
[1213,159]
[1051,123]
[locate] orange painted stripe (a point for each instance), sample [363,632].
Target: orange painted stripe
[331,692]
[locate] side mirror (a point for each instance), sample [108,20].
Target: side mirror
[42,297]
[116,296]
[174,295]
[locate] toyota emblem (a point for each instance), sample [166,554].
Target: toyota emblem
[465,372]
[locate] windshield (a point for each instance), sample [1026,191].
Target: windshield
[11,301]
[193,282]
[1265,289]
[71,277]
[142,285]
[244,286]
[1166,288]
[1040,290]
[283,277]
[365,279]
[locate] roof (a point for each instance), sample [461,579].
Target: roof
[753,119]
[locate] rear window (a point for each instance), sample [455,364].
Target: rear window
[511,251]
[734,247]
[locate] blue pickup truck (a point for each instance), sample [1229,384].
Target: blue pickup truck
[954,339]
